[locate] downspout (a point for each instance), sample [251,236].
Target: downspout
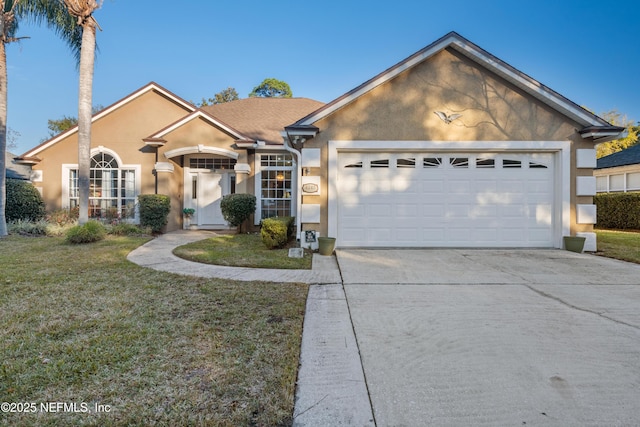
[296,153]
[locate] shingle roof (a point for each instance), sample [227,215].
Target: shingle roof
[15,170]
[262,119]
[630,156]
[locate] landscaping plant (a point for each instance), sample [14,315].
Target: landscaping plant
[90,232]
[237,208]
[24,202]
[154,211]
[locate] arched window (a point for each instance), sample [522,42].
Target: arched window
[112,188]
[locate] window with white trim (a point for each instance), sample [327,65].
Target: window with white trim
[113,190]
[276,185]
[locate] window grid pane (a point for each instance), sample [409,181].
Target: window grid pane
[212,163]
[112,191]
[276,185]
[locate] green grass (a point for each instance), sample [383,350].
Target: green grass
[623,245]
[241,250]
[82,324]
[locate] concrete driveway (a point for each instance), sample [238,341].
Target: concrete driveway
[495,337]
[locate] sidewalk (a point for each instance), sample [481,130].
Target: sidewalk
[331,388]
[157,254]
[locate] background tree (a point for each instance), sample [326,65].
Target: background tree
[12,138]
[272,88]
[57,126]
[617,119]
[225,95]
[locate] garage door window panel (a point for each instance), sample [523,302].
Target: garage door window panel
[459,162]
[432,162]
[511,164]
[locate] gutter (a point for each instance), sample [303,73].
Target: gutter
[297,154]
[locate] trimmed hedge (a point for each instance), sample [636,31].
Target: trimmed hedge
[24,202]
[154,211]
[618,210]
[276,231]
[237,208]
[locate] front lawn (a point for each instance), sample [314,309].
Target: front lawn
[241,250]
[623,245]
[82,325]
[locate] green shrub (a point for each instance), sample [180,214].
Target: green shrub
[237,208]
[24,202]
[126,229]
[92,231]
[154,211]
[28,228]
[275,232]
[618,210]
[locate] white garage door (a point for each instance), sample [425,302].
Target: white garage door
[445,199]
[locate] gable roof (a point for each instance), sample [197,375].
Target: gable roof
[262,119]
[485,59]
[197,114]
[152,86]
[630,156]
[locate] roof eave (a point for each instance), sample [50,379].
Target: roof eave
[599,134]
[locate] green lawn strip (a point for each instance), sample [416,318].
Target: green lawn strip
[241,250]
[623,245]
[82,324]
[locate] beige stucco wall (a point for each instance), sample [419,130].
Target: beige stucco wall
[403,110]
[192,134]
[122,131]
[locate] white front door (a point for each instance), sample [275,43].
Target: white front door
[209,197]
[203,192]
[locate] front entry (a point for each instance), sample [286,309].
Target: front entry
[203,192]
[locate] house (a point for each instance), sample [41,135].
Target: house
[451,147]
[619,172]
[16,170]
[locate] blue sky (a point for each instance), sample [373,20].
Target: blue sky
[589,51]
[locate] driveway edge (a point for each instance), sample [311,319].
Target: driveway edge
[331,388]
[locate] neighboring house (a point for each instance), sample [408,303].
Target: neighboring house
[619,172]
[16,170]
[451,147]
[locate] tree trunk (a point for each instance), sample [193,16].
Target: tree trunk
[3,138]
[85,94]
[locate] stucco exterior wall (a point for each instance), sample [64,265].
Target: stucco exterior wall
[122,131]
[403,110]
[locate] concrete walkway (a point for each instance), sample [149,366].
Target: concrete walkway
[331,388]
[158,255]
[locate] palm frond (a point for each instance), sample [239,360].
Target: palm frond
[54,15]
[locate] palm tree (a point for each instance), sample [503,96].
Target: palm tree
[83,10]
[7,31]
[56,17]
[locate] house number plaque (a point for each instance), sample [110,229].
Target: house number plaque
[310,188]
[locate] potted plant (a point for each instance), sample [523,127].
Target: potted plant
[188,213]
